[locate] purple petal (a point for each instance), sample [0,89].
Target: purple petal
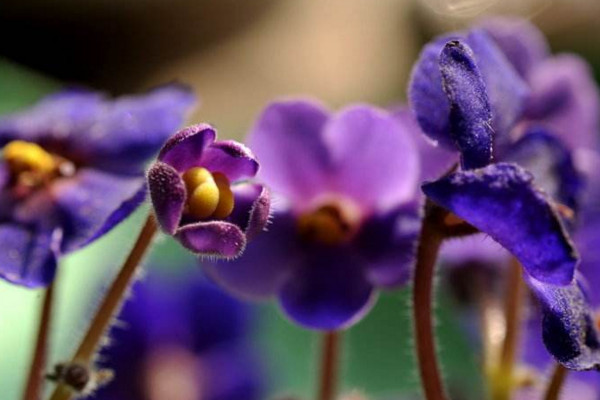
[288,143]
[252,207]
[565,98]
[374,158]
[266,263]
[213,238]
[231,158]
[28,255]
[521,42]
[470,114]
[327,290]
[388,242]
[94,202]
[168,194]
[502,201]
[477,249]
[568,328]
[185,148]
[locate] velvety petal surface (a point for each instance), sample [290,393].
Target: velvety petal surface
[231,158]
[374,160]
[502,201]
[252,208]
[470,113]
[168,194]
[217,239]
[327,290]
[185,148]
[287,139]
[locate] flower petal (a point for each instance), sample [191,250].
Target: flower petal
[502,201]
[185,148]
[568,327]
[252,207]
[327,290]
[374,159]
[470,113]
[168,194]
[266,263]
[287,140]
[94,202]
[231,158]
[213,238]
[28,255]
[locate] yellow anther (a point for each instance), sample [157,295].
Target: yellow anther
[327,225]
[24,156]
[195,177]
[226,201]
[204,200]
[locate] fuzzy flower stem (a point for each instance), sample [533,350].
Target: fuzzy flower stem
[330,353]
[556,382]
[111,303]
[33,390]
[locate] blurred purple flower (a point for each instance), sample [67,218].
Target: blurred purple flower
[73,168]
[348,212]
[201,195]
[181,337]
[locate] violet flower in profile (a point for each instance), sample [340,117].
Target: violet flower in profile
[72,168]
[181,337]
[201,195]
[476,93]
[347,215]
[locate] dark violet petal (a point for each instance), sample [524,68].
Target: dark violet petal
[252,207]
[478,249]
[549,160]
[168,194]
[265,265]
[231,158]
[502,201]
[327,290]
[28,255]
[521,42]
[568,326]
[217,239]
[470,114]
[185,148]
[92,203]
[565,98]
[287,140]
[388,242]
[374,158]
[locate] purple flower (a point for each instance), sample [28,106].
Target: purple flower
[201,195]
[476,93]
[72,168]
[181,337]
[347,216]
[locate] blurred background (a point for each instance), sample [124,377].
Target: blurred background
[238,55]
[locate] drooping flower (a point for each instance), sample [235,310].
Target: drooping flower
[347,212]
[201,195]
[72,168]
[476,93]
[181,337]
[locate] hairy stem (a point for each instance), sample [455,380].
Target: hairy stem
[111,303]
[35,380]
[556,383]
[330,353]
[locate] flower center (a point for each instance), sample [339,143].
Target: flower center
[329,224]
[209,194]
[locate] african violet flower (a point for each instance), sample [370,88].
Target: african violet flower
[347,212]
[470,95]
[72,168]
[181,337]
[200,194]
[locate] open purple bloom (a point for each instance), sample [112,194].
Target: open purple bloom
[485,101]
[72,168]
[201,195]
[181,337]
[347,215]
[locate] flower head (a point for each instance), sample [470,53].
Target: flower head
[347,212]
[201,196]
[72,168]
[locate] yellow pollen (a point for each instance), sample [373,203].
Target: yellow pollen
[327,225]
[24,156]
[209,195]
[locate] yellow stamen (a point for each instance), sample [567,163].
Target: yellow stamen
[24,156]
[195,177]
[226,202]
[328,225]
[209,195]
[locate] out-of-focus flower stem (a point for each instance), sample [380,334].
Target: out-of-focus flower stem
[111,303]
[35,380]
[556,382]
[328,374]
